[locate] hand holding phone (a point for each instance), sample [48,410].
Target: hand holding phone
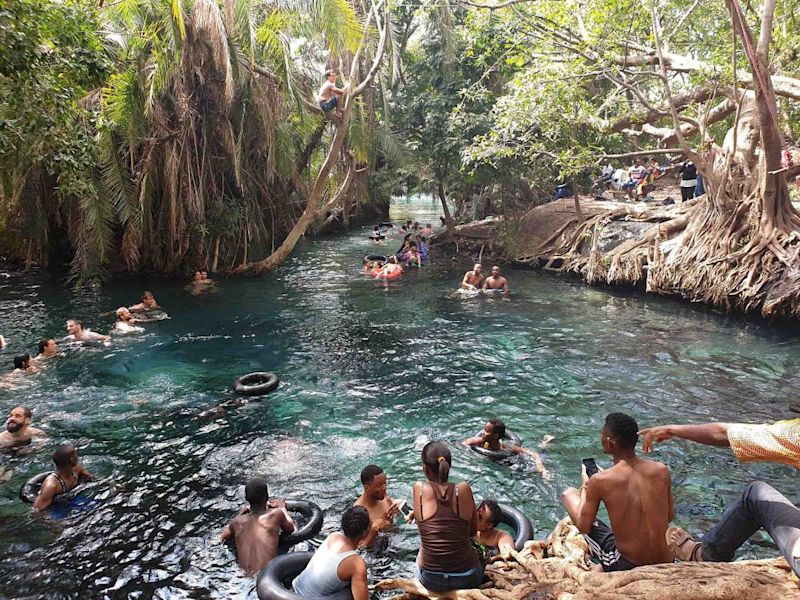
[591,466]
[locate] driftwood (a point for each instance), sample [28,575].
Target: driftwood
[558,569]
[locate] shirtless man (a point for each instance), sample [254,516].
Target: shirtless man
[329,94]
[18,429]
[125,322]
[381,508]
[492,436]
[488,534]
[77,332]
[473,279]
[257,528]
[638,496]
[148,303]
[495,281]
[66,476]
[47,349]
[23,363]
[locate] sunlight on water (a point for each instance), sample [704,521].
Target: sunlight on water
[370,371]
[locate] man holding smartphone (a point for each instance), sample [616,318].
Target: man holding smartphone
[380,506]
[638,496]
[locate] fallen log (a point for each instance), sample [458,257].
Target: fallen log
[558,569]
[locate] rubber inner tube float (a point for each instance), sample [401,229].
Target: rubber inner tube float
[256,384]
[386,224]
[374,257]
[498,454]
[312,518]
[30,489]
[274,582]
[519,523]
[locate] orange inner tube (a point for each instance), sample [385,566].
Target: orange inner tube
[392,275]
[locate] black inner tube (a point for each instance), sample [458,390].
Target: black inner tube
[275,580]
[311,522]
[30,489]
[256,384]
[498,454]
[374,257]
[519,523]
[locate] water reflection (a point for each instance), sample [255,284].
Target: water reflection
[369,373]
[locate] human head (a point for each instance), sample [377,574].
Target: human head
[65,456]
[495,271]
[74,326]
[47,346]
[204,274]
[408,222]
[355,523]
[330,75]
[18,418]
[256,492]
[489,515]
[148,299]
[22,361]
[123,314]
[477,267]
[418,238]
[429,226]
[374,481]
[393,259]
[637,161]
[619,433]
[436,461]
[495,429]
[197,277]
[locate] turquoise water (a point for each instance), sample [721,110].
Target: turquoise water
[369,372]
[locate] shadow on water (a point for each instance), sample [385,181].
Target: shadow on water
[370,371]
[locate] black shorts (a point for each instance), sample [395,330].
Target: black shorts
[329,104]
[603,547]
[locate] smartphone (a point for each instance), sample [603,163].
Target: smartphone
[403,508]
[591,466]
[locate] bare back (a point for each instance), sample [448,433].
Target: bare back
[257,537]
[638,497]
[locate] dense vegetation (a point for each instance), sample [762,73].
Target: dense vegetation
[165,134]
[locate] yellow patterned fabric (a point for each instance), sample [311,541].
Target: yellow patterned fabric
[778,442]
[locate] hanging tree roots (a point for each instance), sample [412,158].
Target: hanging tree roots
[558,569]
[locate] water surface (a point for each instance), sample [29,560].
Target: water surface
[369,372]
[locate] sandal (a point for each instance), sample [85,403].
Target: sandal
[682,545]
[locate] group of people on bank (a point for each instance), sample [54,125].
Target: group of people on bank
[636,492]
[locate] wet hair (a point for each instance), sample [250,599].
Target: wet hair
[622,429]
[43,344]
[20,360]
[25,411]
[436,456]
[498,427]
[494,511]
[147,294]
[369,473]
[256,492]
[77,322]
[330,72]
[63,456]
[412,245]
[355,522]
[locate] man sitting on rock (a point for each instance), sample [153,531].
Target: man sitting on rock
[760,506]
[638,496]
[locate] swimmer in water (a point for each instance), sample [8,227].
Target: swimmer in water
[489,516]
[125,322]
[76,331]
[492,436]
[473,279]
[390,267]
[47,349]
[258,527]
[22,362]
[381,508]
[18,431]
[495,281]
[148,303]
[64,479]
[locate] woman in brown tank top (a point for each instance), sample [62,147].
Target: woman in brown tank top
[446,518]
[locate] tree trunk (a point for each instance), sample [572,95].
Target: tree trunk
[577,201]
[448,219]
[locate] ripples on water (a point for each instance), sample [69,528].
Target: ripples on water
[370,371]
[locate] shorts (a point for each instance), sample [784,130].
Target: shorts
[329,104]
[443,582]
[603,547]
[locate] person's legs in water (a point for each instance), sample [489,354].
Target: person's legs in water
[760,507]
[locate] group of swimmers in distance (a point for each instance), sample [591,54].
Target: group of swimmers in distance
[450,526]
[127,317]
[413,251]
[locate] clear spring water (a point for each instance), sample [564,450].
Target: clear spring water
[369,372]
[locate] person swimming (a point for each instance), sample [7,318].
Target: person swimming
[148,303]
[492,436]
[18,431]
[488,535]
[125,322]
[389,268]
[47,348]
[76,332]
[67,475]
[22,362]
